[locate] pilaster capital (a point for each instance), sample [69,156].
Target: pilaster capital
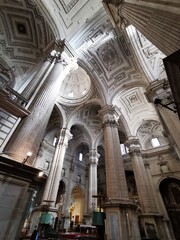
[147,165]
[134,146]
[109,115]
[156,87]
[93,156]
[64,137]
[114,10]
[56,45]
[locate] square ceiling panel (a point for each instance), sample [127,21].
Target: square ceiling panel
[20,28]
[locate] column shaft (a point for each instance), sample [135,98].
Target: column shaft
[93,161]
[144,188]
[37,79]
[121,219]
[29,133]
[52,185]
[158,26]
[115,176]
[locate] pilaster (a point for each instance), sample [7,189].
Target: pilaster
[149,215]
[146,199]
[93,162]
[52,184]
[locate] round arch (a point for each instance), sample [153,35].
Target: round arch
[76,206]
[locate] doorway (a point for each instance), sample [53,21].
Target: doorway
[170,191]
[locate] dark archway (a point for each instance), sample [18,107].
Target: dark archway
[170,191]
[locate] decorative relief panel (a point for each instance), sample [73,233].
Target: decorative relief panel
[24,32]
[149,130]
[68,4]
[133,99]
[109,56]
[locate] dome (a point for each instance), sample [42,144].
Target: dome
[75,87]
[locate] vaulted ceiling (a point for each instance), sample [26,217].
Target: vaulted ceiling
[28,28]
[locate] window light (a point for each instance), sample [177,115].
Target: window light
[155,142]
[54,141]
[80,156]
[124,149]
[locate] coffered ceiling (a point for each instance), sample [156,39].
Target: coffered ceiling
[23,34]
[104,52]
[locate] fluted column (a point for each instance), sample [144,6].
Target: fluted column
[52,184]
[146,192]
[37,79]
[93,161]
[115,176]
[29,133]
[143,187]
[158,21]
[121,219]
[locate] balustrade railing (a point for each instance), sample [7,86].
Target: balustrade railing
[12,94]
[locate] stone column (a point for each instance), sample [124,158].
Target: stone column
[158,21]
[93,161]
[149,215]
[48,204]
[29,133]
[144,191]
[37,79]
[121,220]
[54,177]
[161,222]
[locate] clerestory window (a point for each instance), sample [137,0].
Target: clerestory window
[80,157]
[155,142]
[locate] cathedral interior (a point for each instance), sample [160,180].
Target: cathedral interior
[89,117]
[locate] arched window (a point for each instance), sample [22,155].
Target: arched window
[55,141]
[80,157]
[124,149]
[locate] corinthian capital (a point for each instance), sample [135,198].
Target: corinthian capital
[64,137]
[93,156]
[134,145]
[109,114]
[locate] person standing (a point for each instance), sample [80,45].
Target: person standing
[34,235]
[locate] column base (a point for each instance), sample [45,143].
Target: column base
[45,218]
[153,227]
[121,221]
[87,219]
